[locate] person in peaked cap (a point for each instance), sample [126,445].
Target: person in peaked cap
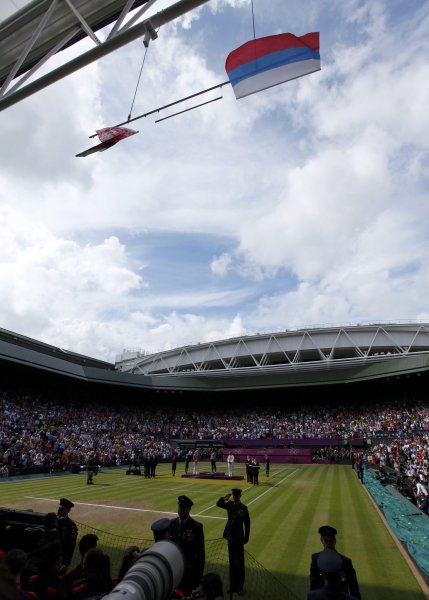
[330,565]
[66,504]
[160,529]
[346,574]
[189,536]
[237,532]
[67,530]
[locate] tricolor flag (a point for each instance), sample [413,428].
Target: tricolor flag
[268,61]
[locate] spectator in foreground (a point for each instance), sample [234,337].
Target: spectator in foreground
[15,560]
[98,582]
[7,584]
[76,577]
[211,587]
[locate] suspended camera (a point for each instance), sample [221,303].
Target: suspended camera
[154,576]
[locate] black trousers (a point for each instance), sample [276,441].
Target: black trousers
[236,565]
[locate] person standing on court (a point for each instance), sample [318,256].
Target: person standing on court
[248,469]
[188,460]
[173,463]
[189,536]
[267,465]
[230,462]
[196,460]
[67,531]
[213,457]
[237,532]
[348,579]
[255,471]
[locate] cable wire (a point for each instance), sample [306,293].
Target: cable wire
[138,82]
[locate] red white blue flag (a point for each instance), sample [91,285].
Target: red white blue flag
[269,61]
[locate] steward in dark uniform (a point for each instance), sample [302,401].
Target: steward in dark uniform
[152,464]
[146,465]
[255,471]
[237,531]
[330,564]
[267,465]
[189,536]
[187,461]
[160,529]
[67,531]
[347,574]
[92,468]
[248,469]
[213,457]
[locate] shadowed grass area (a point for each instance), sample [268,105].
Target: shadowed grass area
[286,511]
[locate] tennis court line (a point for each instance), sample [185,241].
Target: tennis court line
[291,474]
[247,489]
[147,510]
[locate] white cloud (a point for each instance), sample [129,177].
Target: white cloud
[220,264]
[319,186]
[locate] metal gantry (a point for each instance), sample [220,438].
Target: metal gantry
[314,349]
[34,34]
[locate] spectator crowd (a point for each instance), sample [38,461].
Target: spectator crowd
[45,432]
[38,431]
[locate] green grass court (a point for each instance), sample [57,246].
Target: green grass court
[286,511]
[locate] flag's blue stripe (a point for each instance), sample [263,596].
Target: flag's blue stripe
[271,61]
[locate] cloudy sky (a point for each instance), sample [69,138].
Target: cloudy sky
[302,205]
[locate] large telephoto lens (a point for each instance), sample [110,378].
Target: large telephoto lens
[154,576]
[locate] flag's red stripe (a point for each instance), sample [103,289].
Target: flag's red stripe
[273,43]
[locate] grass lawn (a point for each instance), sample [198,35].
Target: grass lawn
[286,511]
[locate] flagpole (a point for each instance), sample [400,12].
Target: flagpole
[151,112]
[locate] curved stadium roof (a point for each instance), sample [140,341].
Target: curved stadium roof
[304,357]
[301,357]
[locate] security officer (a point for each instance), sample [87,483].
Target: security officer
[267,465]
[67,530]
[237,531]
[160,529]
[92,467]
[189,536]
[255,466]
[348,579]
[330,564]
[249,469]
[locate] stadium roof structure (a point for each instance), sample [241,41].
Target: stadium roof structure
[31,36]
[300,358]
[290,358]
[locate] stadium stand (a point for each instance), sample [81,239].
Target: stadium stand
[54,417]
